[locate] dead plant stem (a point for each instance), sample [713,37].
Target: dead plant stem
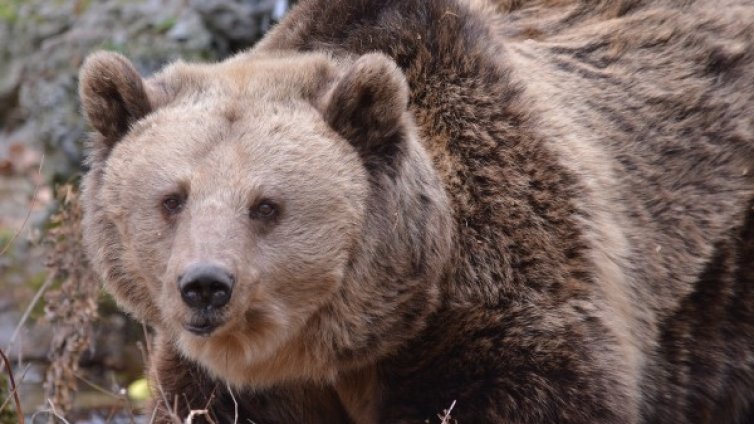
[31,208]
[14,391]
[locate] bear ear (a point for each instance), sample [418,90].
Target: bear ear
[112,94]
[368,103]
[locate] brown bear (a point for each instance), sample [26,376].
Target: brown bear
[536,211]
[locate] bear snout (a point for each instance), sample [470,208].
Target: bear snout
[205,287]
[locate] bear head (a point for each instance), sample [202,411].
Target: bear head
[274,216]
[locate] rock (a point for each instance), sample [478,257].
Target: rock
[10,82]
[239,22]
[38,72]
[49,84]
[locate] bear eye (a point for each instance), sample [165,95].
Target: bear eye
[264,210]
[172,203]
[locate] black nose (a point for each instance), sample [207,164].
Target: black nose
[205,286]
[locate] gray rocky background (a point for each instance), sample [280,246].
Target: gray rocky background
[42,133]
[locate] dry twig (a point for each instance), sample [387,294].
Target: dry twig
[198,412]
[55,413]
[235,404]
[52,411]
[445,416]
[37,296]
[13,388]
[28,213]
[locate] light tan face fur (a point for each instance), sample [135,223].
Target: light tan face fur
[346,269]
[226,145]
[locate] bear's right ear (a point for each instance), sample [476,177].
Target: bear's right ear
[112,94]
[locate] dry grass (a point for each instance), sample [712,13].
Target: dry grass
[72,307]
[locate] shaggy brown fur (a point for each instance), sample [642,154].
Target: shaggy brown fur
[543,213]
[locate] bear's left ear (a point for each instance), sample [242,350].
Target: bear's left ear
[368,103]
[112,94]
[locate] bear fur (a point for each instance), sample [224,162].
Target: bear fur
[536,211]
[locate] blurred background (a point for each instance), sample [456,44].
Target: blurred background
[73,355]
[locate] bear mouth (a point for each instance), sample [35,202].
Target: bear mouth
[201,326]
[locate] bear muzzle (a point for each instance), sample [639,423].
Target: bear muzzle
[205,288]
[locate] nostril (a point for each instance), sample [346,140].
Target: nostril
[205,286]
[220,294]
[192,297]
